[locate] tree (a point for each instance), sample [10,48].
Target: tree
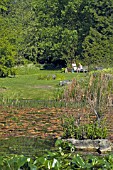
[14,17]
[7,46]
[97,47]
[56,31]
[51,37]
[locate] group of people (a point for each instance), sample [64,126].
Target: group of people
[75,68]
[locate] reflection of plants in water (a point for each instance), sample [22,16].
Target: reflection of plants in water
[29,146]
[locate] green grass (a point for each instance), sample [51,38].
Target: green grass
[26,84]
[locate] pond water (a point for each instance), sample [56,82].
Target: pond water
[34,147]
[31,131]
[27,146]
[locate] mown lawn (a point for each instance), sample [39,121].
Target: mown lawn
[27,84]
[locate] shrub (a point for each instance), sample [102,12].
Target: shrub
[4,71]
[50,77]
[94,93]
[73,129]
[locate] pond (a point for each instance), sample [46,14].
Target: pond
[33,131]
[28,131]
[27,146]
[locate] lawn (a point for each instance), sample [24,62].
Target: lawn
[30,83]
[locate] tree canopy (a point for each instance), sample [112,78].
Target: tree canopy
[57,32]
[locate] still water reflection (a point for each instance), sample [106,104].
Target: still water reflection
[26,146]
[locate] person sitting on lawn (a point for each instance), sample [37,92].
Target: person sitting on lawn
[80,67]
[74,67]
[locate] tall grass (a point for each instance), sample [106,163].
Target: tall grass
[96,92]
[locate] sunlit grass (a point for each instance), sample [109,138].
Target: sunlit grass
[27,85]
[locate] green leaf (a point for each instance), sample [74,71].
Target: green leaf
[3,7]
[78,160]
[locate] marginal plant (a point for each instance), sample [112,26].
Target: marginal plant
[74,92]
[95,130]
[72,128]
[68,125]
[58,93]
[97,92]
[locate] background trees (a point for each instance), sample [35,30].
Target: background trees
[7,39]
[55,32]
[97,46]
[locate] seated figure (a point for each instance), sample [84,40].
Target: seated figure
[80,67]
[74,67]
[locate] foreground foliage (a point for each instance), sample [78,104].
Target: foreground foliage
[57,160]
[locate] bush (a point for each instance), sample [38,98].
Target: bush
[50,77]
[4,71]
[73,129]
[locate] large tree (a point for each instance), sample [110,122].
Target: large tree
[97,46]
[52,37]
[55,32]
[7,41]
